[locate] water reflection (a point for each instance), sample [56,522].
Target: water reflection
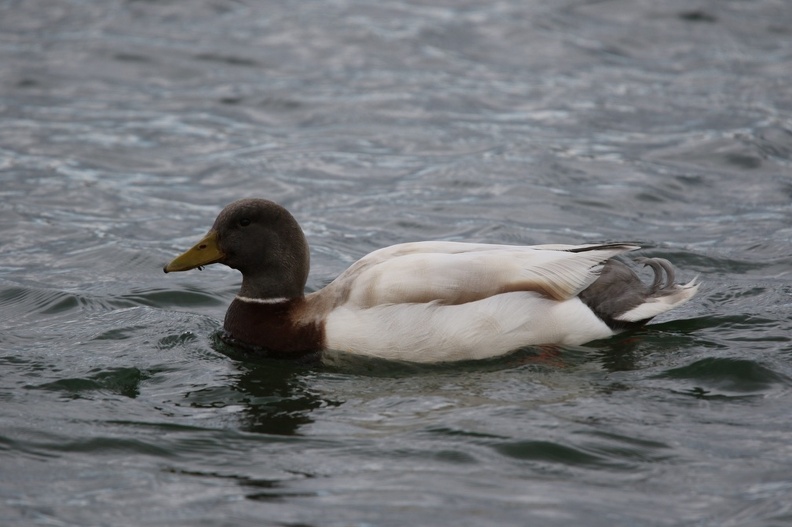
[273,393]
[622,354]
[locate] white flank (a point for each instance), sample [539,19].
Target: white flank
[433,332]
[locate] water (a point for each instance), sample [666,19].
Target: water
[127,125]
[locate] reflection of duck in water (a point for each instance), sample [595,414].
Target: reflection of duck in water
[276,400]
[425,301]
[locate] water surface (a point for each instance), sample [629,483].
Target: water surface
[127,125]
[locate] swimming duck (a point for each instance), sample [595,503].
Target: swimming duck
[427,302]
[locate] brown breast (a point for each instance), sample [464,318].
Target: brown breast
[280,329]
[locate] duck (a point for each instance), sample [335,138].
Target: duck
[426,301]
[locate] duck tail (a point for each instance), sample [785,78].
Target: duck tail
[662,295]
[622,300]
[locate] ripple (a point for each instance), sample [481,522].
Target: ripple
[120,381]
[727,376]
[23,301]
[30,302]
[105,445]
[176,341]
[548,451]
[600,449]
[186,296]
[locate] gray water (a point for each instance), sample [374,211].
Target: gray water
[125,126]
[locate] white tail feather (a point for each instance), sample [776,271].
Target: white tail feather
[660,304]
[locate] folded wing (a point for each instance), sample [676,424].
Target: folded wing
[455,273]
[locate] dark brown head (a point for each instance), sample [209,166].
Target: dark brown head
[263,241]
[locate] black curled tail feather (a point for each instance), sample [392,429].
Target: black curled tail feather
[623,301]
[660,266]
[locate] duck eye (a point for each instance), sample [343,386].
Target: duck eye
[244,222]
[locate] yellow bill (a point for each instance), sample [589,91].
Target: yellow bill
[204,252]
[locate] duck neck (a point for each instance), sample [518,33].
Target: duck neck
[269,287]
[278,272]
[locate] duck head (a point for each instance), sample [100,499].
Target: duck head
[263,241]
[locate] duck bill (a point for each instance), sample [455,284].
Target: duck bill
[204,252]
